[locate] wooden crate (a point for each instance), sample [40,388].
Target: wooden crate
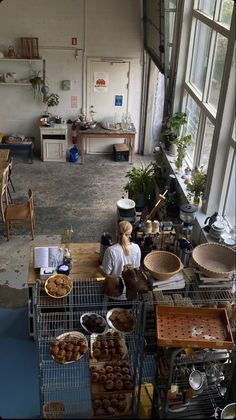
[193,327]
[120,152]
[29,48]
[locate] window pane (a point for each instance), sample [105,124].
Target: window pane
[218,68]
[200,55]
[207,141]
[226,12]
[230,209]
[207,7]
[193,112]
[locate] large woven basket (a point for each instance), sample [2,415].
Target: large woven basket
[162,265]
[214,260]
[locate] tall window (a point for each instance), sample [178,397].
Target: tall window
[206,94]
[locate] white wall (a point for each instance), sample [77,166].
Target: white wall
[106,28]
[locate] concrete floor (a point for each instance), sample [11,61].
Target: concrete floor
[65,195]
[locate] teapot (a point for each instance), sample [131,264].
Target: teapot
[11,52]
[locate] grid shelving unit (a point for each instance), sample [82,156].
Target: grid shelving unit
[70,383]
[173,365]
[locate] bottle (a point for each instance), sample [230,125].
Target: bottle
[105,242]
[67,259]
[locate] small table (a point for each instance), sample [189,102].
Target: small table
[28,145]
[99,132]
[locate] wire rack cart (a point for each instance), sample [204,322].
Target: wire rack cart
[70,383]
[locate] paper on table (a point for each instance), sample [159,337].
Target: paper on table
[179,284]
[45,256]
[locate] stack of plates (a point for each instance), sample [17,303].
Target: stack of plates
[216,230]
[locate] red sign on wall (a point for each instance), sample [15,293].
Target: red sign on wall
[74,41]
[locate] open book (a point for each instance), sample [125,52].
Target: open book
[46,256]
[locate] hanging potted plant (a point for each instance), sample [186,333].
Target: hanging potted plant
[36,83]
[197,185]
[171,131]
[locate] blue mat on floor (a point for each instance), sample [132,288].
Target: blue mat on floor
[19,396]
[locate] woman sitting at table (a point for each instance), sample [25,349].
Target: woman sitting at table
[119,256]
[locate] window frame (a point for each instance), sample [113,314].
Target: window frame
[215,197]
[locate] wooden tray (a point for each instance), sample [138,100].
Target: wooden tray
[193,327]
[97,387]
[103,395]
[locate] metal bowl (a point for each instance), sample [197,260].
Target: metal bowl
[110,323]
[98,317]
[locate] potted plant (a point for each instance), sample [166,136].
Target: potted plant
[197,185]
[52,100]
[36,83]
[182,144]
[141,184]
[171,130]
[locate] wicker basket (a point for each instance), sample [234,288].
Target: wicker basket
[214,260]
[162,264]
[53,410]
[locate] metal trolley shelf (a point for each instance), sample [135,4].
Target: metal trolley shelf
[70,383]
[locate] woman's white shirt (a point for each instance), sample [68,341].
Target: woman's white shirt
[114,260]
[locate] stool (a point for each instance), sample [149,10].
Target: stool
[120,152]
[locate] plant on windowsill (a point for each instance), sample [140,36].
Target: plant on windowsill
[141,185]
[197,185]
[182,145]
[171,131]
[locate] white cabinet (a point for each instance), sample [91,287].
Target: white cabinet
[53,143]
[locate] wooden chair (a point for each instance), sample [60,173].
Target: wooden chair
[21,212]
[4,189]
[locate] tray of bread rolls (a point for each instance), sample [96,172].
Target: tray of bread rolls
[111,405]
[68,347]
[111,377]
[108,347]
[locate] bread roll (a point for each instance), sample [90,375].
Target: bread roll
[113,286]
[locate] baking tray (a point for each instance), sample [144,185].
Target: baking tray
[193,327]
[106,337]
[98,387]
[126,397]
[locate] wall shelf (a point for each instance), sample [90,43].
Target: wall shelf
[15,84]
[21,59]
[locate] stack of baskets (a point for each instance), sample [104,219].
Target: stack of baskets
[162,265]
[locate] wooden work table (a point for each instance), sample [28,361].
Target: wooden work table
[85,262]
[100,132]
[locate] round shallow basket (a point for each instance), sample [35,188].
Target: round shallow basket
[64,278]
[162,265]
[53,410]
[214,260]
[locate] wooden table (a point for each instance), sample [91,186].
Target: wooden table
[99,132]
[85,262]
[4,155]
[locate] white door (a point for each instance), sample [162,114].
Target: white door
[107,87]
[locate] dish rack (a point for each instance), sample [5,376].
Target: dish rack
[69,384]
